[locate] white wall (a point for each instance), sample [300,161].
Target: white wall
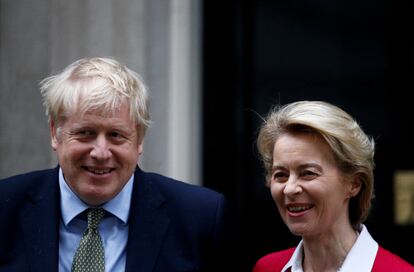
[158,39]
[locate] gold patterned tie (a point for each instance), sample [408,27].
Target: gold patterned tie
[90,256]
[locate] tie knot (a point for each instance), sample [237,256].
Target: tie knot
[95,216]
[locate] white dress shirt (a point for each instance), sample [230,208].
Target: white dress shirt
[360,258]
[113,228]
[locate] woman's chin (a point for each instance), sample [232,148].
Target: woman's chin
[298,230]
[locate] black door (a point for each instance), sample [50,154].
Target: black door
[355,54]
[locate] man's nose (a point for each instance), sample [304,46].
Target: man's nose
[101,148]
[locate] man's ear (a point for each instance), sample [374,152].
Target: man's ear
[141,148]
[53,135]
[140,133]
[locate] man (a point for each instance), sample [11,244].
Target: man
[98,208]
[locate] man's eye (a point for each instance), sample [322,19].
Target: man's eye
[115,134]
[85,133]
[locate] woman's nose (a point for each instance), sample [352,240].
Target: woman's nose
[292,186]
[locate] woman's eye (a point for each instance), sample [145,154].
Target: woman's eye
[309,174]
[279,176]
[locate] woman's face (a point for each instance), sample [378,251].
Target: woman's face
[310,192]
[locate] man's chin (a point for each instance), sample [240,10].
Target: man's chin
[96,196]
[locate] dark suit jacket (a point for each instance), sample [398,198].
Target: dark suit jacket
[173,226]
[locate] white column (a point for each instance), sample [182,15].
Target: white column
[184,143]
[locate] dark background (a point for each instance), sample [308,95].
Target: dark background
[355,54]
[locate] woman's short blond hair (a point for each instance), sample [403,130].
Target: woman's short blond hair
[351,147]
[101,84]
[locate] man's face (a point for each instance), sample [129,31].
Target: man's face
[98,154]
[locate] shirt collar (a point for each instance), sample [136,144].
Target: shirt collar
[71,206]
[295,262]
[361,257]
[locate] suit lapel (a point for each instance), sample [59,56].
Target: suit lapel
[40,225]
[148,223]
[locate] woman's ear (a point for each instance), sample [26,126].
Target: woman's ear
[355,185]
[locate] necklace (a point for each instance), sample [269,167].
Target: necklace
[341,263]
[343,260]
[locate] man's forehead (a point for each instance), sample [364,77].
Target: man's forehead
[95,115]
[103,111]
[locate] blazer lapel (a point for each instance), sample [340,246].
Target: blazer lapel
[40,225]
[148,223]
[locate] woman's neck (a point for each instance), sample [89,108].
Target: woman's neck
[327,252]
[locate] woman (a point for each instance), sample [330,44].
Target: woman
[319,166]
